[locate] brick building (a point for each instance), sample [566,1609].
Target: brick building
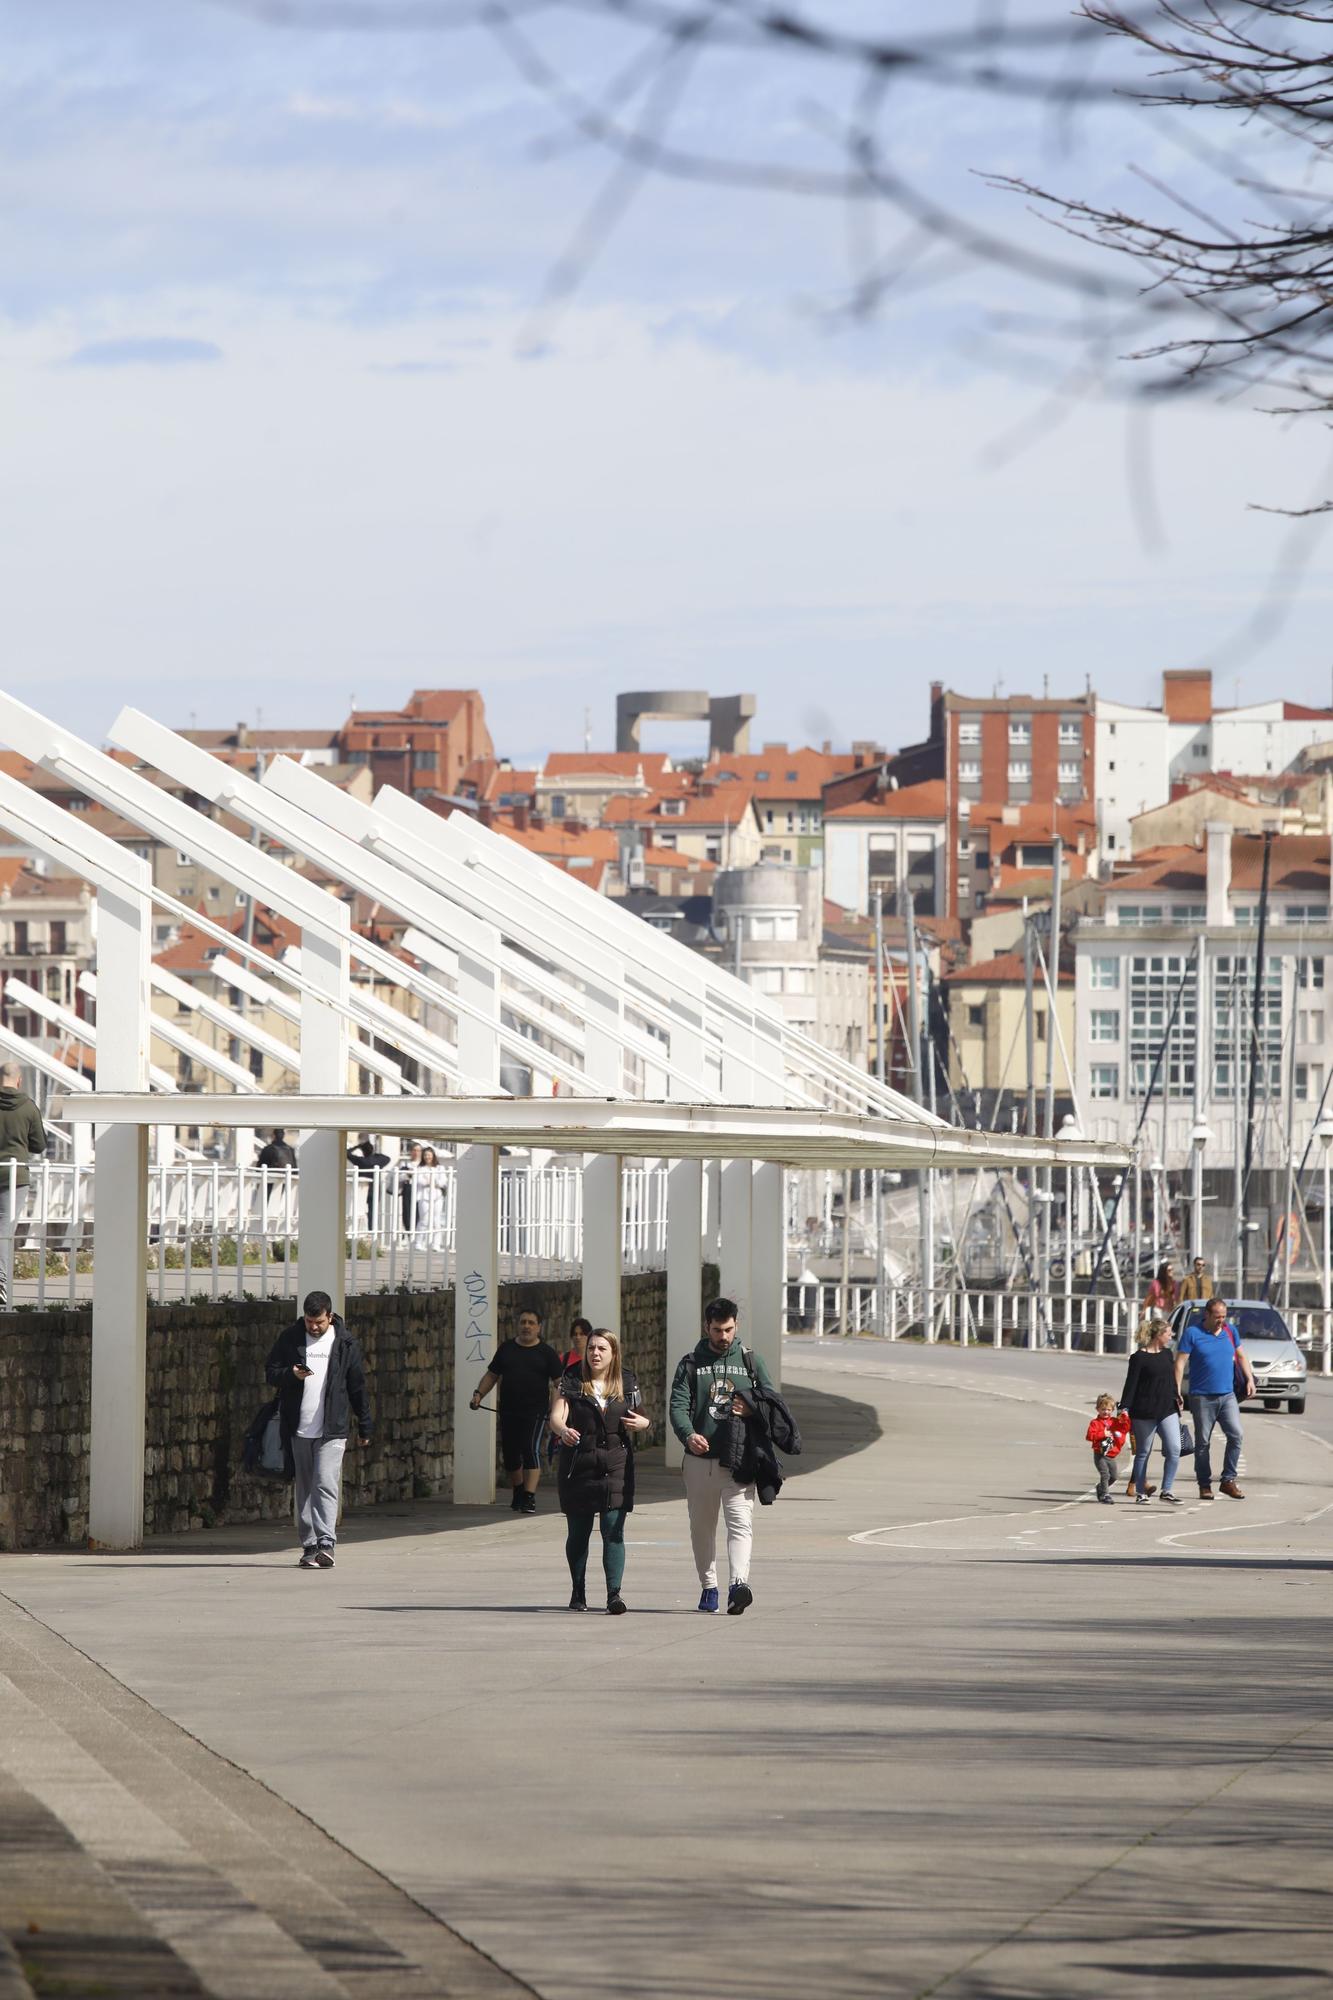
[424,747]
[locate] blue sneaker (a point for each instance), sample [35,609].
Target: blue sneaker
[739,1598]
[708,1599]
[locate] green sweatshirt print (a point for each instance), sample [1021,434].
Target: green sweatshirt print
[717,1377]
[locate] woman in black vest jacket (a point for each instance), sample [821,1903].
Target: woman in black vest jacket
[1152,1403]
[593,1413]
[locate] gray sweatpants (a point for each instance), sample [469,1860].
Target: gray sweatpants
[319,1471]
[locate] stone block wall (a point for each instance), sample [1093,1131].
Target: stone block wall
[206,1382]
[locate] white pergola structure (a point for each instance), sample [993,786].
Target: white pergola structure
[648,1050]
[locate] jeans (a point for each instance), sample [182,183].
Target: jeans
[1106,1473]
[1207,1411]
[578,1534]
[1145,1430]
[319,1471]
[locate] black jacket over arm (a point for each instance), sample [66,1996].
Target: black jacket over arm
[344,1386]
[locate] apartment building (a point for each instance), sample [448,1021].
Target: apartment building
[788,788]
[576,784]
[1176,946]
[891,840]
[768,922]
[1142,753]
[1015,750]
[988,1041]
[423,747]
[716,822]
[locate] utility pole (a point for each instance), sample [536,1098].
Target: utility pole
[925,1187]
[1257,1045]
[881,1316]
[1053,970]
[1030,1045]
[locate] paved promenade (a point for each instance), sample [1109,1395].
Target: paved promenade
[977,1737]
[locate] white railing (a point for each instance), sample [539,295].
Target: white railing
[1014,1318]
[218,1231]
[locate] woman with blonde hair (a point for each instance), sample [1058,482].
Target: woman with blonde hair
[596,1409]
[1151,1401]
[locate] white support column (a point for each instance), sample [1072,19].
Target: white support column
[734,1258]
[120,1227]
[768,1267]
[713,1212]
[476,1321]
[321,1259]
[685,1188]
[602,1201]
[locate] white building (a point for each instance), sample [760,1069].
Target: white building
[892,841]
[1140,962]
[769,920]
[1139,753]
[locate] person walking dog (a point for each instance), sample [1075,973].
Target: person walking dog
[705,1395]
[596,1408]
[1151,1401]
[1218,1366]
[320,1377]
[527,1367]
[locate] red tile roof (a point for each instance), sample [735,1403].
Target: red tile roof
[923,801]
[1006,970]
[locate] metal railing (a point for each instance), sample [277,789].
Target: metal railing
[1013,1318]
[217,1231]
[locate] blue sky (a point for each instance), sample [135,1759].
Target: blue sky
[284,423]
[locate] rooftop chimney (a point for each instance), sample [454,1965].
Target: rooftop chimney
[1217,841]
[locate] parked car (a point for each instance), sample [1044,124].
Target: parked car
[1278,1364]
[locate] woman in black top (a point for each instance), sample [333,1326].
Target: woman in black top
[592,1416]
[1150,1401]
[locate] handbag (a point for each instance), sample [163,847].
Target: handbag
[262,1454]
[1186,1438]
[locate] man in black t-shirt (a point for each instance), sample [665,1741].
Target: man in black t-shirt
[528,1369]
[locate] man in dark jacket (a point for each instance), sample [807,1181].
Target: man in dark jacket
[368,1160]
[317,1370]
[705,1395]
[21,1134]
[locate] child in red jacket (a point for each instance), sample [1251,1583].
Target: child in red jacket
[1106,1434]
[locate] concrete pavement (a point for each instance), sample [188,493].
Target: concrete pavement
[977,1737]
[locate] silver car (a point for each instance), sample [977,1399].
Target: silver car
[1278,1364]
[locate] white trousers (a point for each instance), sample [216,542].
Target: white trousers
[708,1487]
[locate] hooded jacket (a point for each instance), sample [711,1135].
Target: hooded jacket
[344,1385]
[21,1134]
[704,1384]
[749,1445]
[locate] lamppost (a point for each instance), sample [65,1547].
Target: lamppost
[1201,1137]
[1323,1132]
[1071,1131]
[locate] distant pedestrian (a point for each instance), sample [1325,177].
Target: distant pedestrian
[317,1369]
[408,1164]
[595,1410]
[369,1162]
[579,1333]
[278,1156]
[430,1180]
[1218,1365]
[527,1369]
[1151,1401]
[1162,1298]
[1106,1434]
[22,1135]
[704,1397]
[1197,1284]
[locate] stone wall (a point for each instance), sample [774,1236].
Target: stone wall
[206,1381]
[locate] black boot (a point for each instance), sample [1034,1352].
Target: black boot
[578,1600]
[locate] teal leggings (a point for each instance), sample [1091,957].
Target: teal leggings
[578,1535]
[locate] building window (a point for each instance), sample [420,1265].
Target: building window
[21,937]
[1136,914]
[1105,1080]
[1040,855]
[1199,750]
[1020,731]
[1020,771]
[425,760]
[969,731]
[1039,1024]
[1105,1024]
[1309,1082]
[1233,990]
[1310,973]
[1105,975]
[713,849]
[976,1017]
[1307,913]
[1071,732]
[674,807]
[969,771]
[1310,1027]
[1154,984]
[1190,913]
[59,936]
[1070,774]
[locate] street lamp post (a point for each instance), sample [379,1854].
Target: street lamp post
[1201,1137]
[1070,1130]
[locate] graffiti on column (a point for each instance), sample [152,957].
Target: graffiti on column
[476,1328]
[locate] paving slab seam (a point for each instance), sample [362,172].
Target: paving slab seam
[484,1975]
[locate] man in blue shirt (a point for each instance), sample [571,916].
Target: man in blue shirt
[1214,1353]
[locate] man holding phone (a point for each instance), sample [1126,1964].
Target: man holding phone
[317,1369]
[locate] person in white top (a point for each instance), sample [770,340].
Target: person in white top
[320,1377]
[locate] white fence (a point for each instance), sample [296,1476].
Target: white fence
[219,1230]
[1077,1324]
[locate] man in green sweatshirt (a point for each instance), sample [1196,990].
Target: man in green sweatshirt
[703,1398]
[21,1133]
